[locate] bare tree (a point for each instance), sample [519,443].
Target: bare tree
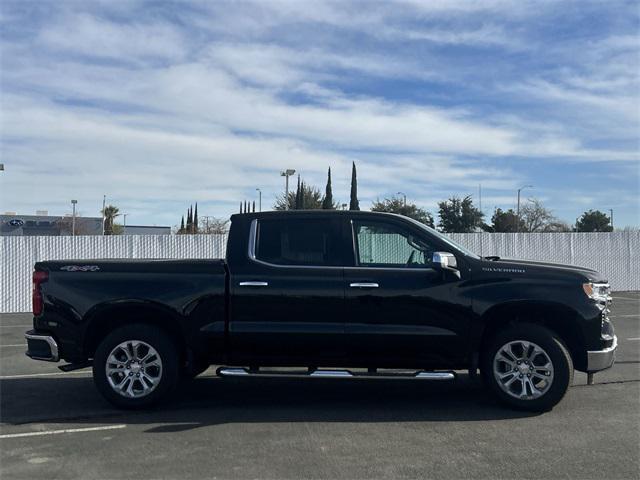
[558,226]
[83,226]
[213,225]
[537,218]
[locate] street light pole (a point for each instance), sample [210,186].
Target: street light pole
[404,196]
[287,173]
[259,199]
[124,225]
[73,218]
[518,207]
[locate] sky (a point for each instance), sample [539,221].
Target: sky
[158,105]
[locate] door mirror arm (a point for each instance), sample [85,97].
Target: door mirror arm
[446,261]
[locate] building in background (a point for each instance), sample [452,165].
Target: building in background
[146,230]
[44,224]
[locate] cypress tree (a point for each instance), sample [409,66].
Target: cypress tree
[181,225]
[240,207]
[189,220]
[302,196]
[354,204]
[298,202]
[327,202]
[195,220]
[254,207]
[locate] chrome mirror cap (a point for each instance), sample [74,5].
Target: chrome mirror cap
[446,261]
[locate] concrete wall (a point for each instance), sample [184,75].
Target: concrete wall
[614,254]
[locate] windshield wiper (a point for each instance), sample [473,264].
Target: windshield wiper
[492,258]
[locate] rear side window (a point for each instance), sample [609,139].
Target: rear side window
[305,242]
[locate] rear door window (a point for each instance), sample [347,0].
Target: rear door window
[299,242]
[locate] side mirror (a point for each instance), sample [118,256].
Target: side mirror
[446,261]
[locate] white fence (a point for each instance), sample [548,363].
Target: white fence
[614,254]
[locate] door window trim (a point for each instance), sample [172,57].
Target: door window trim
[251,253]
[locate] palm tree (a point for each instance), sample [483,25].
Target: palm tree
[110,213]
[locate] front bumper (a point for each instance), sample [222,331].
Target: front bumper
[41,347]
[602,359]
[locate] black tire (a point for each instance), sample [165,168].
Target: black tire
[554,348]
[167,377]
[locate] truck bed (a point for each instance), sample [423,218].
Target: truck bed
[81,296]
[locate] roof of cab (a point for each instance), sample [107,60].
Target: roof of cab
[306,213]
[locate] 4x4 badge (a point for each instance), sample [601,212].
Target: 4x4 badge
[80,268]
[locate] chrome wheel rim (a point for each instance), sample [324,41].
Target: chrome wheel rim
[134,369]
[523,370]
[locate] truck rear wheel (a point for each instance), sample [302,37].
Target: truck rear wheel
[527,366]
[136,366]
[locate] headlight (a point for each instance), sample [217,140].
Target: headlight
[597,291]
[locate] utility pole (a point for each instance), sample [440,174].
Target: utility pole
[73,218]
[611,218]
[287,173]
[518,207]
[259,199]
[124,226]
[104,205]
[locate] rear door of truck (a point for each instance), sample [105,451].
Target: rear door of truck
[287,298]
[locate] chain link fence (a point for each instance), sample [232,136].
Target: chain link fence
[614,254]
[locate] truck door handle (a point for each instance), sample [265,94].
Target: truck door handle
[364,285]
[254,284]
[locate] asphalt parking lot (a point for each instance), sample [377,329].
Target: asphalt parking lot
[55,425]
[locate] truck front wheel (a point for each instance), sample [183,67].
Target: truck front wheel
[136,366]
[527,366]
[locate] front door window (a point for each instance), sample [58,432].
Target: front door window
[380,244]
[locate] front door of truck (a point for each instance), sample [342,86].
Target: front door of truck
[399,309]
[288,302]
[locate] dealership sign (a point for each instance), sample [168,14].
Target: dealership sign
[16,222]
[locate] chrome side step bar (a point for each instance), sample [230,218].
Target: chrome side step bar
[319,373]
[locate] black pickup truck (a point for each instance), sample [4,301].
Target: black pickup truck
[339,294]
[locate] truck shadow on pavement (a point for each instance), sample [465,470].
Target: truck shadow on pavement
[210,401]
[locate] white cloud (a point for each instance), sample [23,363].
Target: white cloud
[213,100]
[94,37]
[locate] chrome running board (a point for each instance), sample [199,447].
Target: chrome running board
[319,373]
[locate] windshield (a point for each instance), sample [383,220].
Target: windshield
[445,239]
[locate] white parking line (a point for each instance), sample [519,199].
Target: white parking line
[637,338]
[66,430]
[626,316]
[625,298]
[16,326]
[14,345]
[32,375]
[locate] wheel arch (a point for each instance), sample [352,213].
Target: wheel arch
[557,317]
[105,318]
